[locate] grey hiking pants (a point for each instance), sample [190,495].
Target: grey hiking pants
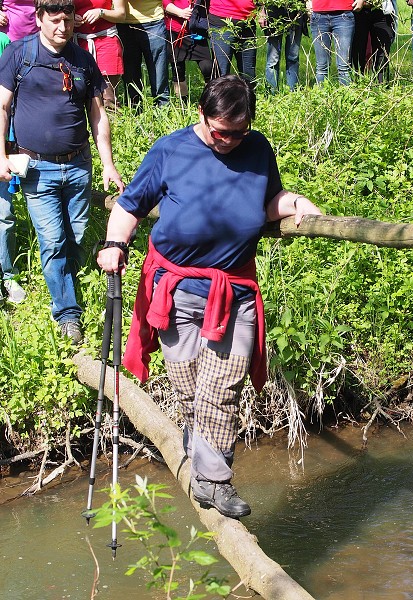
[208,378]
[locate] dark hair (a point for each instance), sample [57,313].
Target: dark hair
[42,5]
[229,97]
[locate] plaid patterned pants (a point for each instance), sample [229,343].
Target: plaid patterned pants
[208,378]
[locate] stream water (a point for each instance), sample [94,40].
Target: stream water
[342,527]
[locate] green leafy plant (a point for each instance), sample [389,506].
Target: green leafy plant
[165,555]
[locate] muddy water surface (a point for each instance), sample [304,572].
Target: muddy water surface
[343,527]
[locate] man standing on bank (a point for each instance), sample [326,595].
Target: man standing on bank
[57,97]
[216,184]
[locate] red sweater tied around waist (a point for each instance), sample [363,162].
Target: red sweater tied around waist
[151,313]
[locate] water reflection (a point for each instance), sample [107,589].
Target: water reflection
[342,528]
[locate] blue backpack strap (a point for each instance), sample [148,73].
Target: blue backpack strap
[30,51]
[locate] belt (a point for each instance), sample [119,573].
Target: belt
[56,158]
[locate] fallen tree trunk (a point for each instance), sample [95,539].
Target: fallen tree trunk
[239,547]
[353,229]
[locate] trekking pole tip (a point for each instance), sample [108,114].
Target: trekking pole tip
[114,545]
[88,514]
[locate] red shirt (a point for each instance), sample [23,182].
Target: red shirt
[332,5]
[232,9]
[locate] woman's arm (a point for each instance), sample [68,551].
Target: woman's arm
[290,204]
[116,14]
[182,13]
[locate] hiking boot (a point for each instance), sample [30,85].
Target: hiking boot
[222,496]
[72,330]
[15,292]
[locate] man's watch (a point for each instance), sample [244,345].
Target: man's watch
[101,13]
[121,245]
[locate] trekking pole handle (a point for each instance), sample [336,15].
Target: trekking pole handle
[107,328]
[117,318]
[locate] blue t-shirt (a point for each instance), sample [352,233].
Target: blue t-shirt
[211,205]
[47,119]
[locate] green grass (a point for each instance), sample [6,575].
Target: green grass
[333,308]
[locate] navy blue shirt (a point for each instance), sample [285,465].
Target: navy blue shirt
[211,205]
[47,119]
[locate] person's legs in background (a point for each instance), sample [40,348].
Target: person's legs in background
[58,200]
[154,48]
[109,58]
[205,66]
[382,33]
[272,67]
[202,56]
[222,39]
[343,33]
[14,291]
[360,39]
[132,63]
[292,55]
[320,25]
[178,67]
[245,50]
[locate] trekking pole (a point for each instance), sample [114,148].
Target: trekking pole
[117,343]
[107,333]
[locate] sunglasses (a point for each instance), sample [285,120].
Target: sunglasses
[55,9]
[225,134]
[67,77]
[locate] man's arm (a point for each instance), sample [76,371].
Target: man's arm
[6,98]
[99,124]
[289,204]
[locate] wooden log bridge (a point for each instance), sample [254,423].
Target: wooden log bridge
[239,547]
[353,229]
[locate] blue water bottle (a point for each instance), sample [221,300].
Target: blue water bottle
[14,184]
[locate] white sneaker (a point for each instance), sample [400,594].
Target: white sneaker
[16,293]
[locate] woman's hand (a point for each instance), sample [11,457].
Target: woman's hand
[290,204]
[78,20]
[112,260]
[357,5]
[92,15]
[186,13]
[304,206]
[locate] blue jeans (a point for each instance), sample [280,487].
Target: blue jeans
[238,41]
[338,27]
[147,41]
[7,232]
[292,55]
[58,200]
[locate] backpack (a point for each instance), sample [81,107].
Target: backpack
[198,21]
